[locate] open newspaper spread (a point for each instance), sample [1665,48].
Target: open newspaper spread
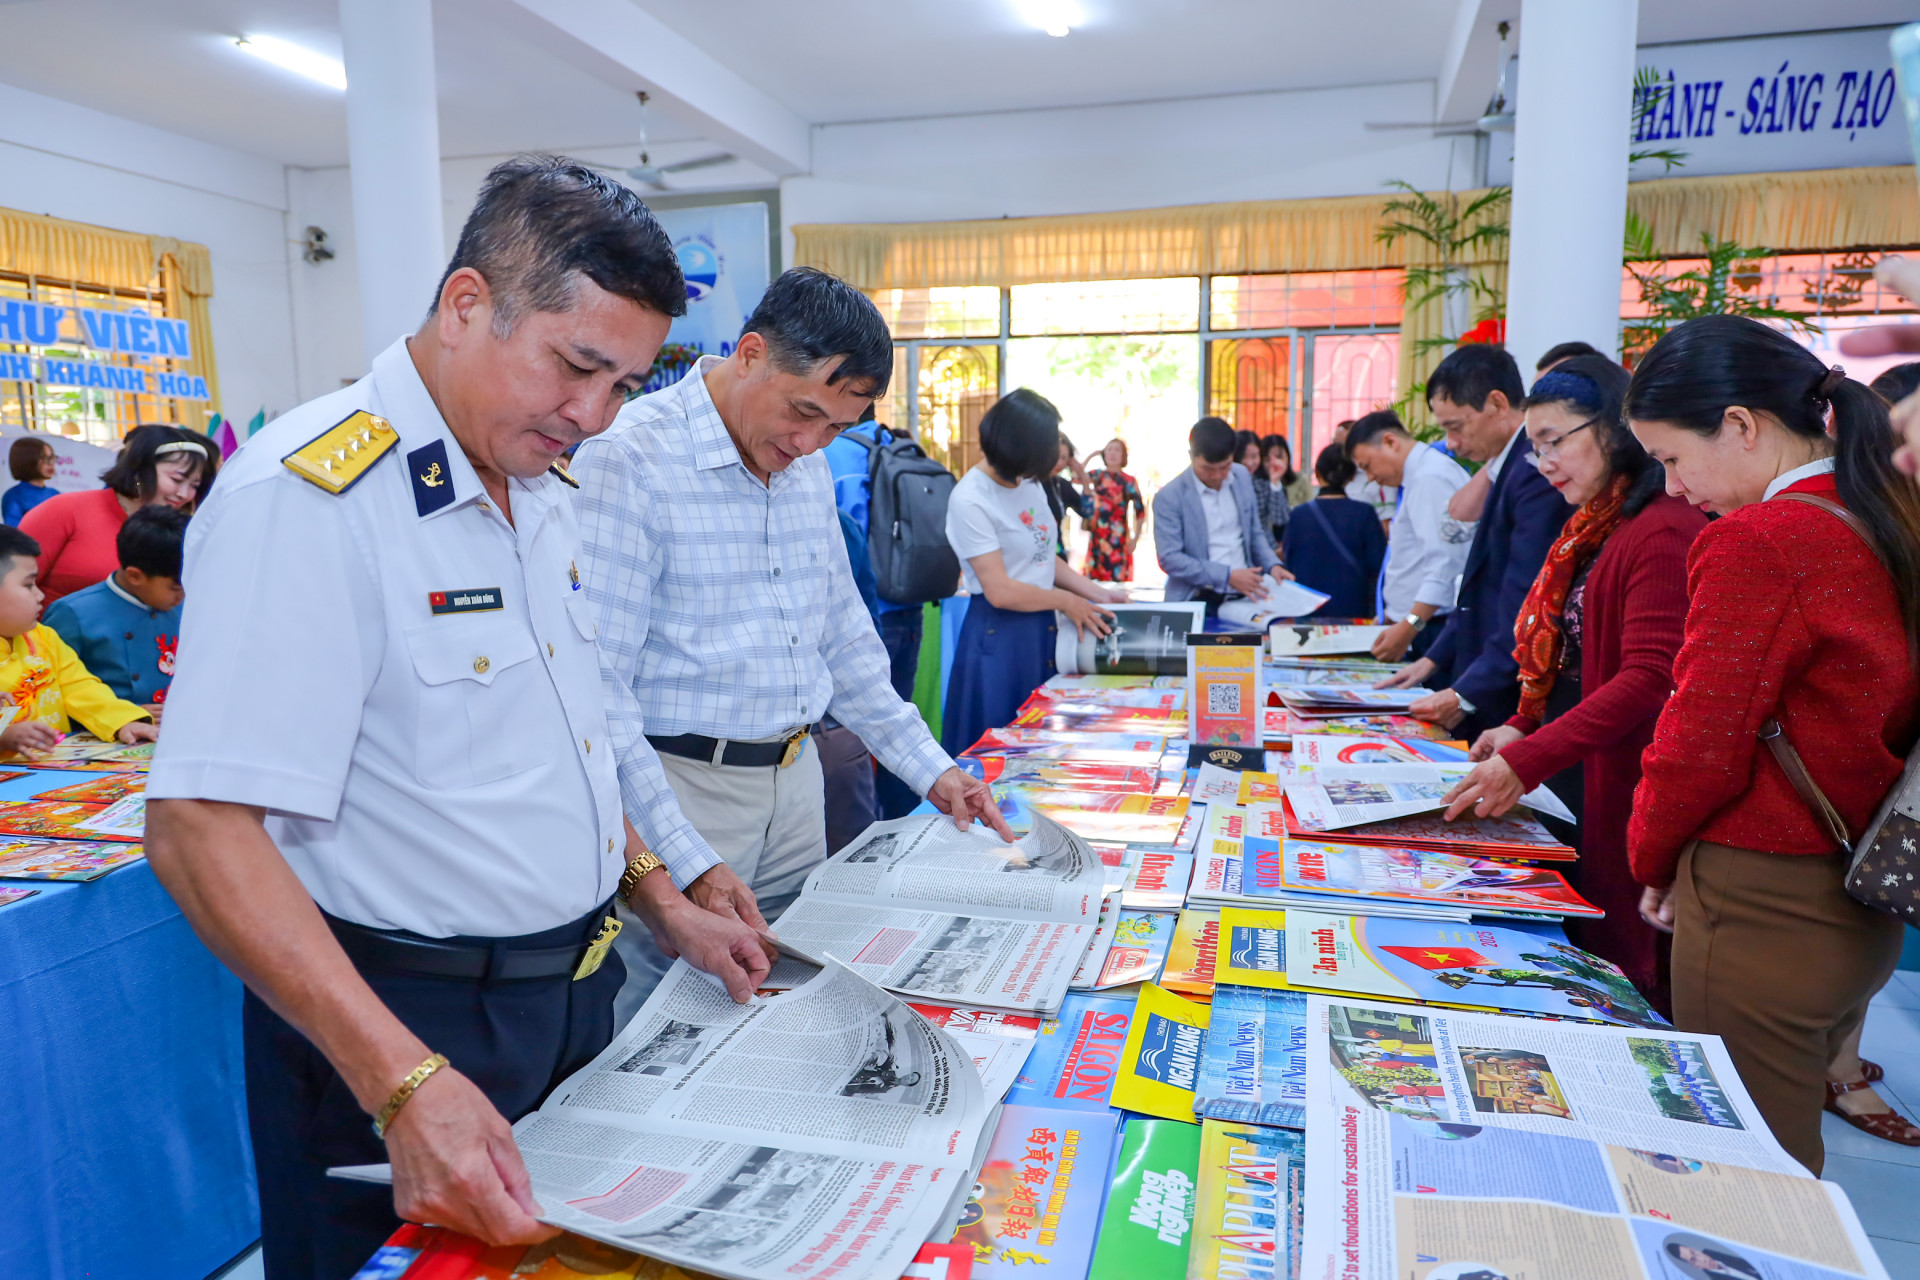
[1446,1146]
[823,1133]
[935,913]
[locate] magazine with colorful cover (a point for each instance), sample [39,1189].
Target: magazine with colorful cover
[1383,873]
[1513,835]
[999,1042]
[1080,717]
[1157,880]
[1036,1203]
[1478,966]
[58,819]
[1248,1215]
[1145,698]
[64,859]
[1314,701]
[1336,748]
[1160,1064]
[1067,774]
[1076,1056]
[10,894]
[1140,944]
[1097,815]
[1190,959]
[1253,949]
[1279,725]
[1254,1068]
[104,789]
[1149,1217]
[439,1253]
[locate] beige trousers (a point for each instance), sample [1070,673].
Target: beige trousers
[769,824]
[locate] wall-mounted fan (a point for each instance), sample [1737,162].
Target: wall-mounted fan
[1497,118]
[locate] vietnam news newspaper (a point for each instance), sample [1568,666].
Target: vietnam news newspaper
[1445,1145]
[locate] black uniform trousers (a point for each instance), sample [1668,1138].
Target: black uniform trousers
[515,1040]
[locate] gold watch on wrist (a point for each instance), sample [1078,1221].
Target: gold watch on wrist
[647,863]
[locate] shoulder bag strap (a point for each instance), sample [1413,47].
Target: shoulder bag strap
[1809,791]
[1775,735]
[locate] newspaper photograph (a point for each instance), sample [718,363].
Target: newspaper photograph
[1146,640]
[822,1133]
[1457,1146]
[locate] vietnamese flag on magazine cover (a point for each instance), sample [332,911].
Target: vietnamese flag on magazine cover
[1439,957]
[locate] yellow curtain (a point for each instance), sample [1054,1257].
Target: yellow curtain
[36,245]
[1818,209]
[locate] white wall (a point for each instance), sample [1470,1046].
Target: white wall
[1262,146]
[72,162]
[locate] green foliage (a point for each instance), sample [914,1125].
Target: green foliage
[1145,364]
[1648,94]
[1726,283]
[1449,235]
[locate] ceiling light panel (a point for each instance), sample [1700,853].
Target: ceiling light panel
[1055,17]
[291,57]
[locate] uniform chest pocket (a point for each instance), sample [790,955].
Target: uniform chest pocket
[486,708]
[582,614]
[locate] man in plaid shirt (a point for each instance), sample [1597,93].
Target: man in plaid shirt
[726,608]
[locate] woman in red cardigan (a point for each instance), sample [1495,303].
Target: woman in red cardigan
[1792,617]
[1596,640]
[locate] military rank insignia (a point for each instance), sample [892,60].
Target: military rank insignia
[340,455]
[432,477]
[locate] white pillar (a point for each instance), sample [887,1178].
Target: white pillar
[1569,175]
[393,146]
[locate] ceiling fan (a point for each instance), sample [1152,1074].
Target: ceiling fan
[654,175]
[1497,118]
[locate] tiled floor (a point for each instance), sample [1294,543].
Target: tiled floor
[1881,1178]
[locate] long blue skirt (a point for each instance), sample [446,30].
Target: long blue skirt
[1000,658]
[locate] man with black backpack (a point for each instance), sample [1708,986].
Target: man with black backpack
[913,490]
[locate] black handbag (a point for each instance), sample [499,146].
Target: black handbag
[1883,868]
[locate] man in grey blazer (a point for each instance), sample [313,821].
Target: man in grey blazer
[1205,527]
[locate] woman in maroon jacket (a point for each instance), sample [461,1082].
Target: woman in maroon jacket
[1596,641]
[1792,618]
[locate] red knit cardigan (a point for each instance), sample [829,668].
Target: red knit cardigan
[1789,616]
[1635,614]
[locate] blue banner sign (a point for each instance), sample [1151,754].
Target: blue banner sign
[123,333]
[723,254]
[1817,100]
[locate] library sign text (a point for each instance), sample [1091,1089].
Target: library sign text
[124,333]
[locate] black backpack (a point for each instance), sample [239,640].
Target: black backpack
[907,521]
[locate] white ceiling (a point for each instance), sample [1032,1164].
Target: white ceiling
[171,63]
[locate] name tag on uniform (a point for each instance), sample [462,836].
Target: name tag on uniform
[472,600]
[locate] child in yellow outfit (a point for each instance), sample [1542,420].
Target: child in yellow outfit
[41,675]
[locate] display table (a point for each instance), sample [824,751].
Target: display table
[123,1112]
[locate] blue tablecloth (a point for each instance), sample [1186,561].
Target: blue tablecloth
[123,1115]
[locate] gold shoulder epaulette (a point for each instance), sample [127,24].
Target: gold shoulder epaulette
[343,453]
[566,476]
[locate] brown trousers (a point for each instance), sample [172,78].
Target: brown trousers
[1772,956]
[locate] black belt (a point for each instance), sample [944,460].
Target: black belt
[741,755]
[387,951]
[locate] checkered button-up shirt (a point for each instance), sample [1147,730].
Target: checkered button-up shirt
[726,607]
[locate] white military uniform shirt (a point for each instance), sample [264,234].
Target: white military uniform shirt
[406,682]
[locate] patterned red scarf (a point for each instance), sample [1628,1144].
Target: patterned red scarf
[1538,637]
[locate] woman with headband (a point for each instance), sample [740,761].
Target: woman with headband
[1803,608]
[1595,642]
[78,532]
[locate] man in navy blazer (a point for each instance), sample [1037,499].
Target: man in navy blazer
[1206,525]
[1476,396]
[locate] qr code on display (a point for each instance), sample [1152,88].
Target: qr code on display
[1223,699]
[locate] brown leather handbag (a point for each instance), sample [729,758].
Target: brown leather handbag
[1883,870]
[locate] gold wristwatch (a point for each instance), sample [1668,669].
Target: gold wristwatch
[646,863]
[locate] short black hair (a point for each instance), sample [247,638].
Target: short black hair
[151,540]
[1475,371]
[1893,386]
[1334,469]
[809,316]
[1368,428]
[25,455]
[15,543]
[541,221]
[1563,351]
[1211,440]
[1242,440]
[132,473]
[1020,436]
